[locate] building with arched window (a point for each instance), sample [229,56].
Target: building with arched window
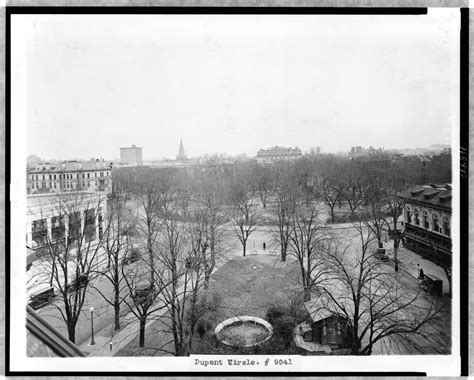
[429,236]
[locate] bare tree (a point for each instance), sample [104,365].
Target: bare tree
[286,194]
[262,182]
[210,190]
[70,253]
[144,281]
[375,303]
[244,211]
[353,189]
[394,210]
[118,247]
[182,248]
[374,216]
[306,243]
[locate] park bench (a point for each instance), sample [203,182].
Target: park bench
[41,298]
[380,254]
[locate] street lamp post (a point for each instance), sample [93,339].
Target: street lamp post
[92,326]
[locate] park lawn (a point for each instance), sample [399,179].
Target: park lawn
[250,285]
[246,286]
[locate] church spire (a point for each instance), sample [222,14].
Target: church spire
[181,155]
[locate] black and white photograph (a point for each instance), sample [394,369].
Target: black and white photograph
[235,192]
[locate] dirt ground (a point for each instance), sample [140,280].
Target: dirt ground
[250,285]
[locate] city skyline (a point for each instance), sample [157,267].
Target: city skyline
[236,84]
[436,146]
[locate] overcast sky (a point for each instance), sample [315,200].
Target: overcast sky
[234,84]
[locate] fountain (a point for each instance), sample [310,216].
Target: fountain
[243,331]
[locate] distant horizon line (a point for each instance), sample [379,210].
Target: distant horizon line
[239,154]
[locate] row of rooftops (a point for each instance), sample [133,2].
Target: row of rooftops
[279,150]
[71,166]
[439,195]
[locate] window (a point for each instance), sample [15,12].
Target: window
[407,215]
[88,175]
[55,176]
[417,217]
[39,232]
[50,177]
[426,222]
[447,230]
[89,227]
[435,223]
[100,223]
[57,228]
[54,184]
[77,175]
[88,184]
[74,226]
[83,175]
[43,177]
[95,174]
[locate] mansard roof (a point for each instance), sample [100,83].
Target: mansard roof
[436,195]
[70,166]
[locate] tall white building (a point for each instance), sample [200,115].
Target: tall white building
[131,155]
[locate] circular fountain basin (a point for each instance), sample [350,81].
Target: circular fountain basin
[244,331]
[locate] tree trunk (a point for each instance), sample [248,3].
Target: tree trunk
[332,213]
[283,252]
[71,332]
[207,276]
[244,246]
[142,332]
[355,333]
[396,243]
[117,298]
[306,293]
[117,315]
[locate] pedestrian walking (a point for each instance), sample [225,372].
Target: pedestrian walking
[264,246]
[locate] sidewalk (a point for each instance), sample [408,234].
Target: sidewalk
[103,338]
[408,260]
[122,338]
